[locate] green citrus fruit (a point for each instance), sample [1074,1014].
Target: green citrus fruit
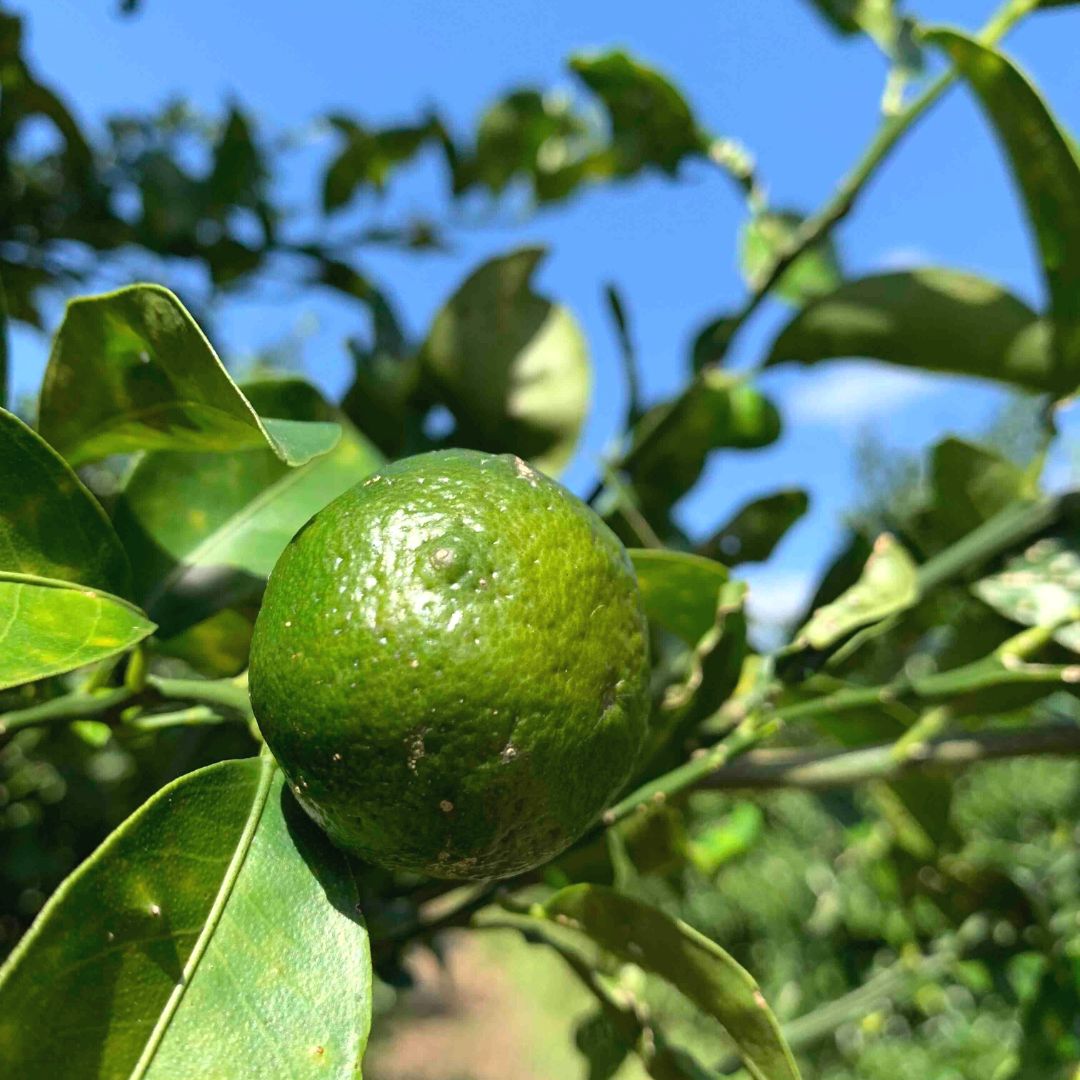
[450,665]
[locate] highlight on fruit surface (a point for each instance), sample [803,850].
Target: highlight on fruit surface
[451,664]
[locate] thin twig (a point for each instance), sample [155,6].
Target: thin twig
[847,194]
[815,770]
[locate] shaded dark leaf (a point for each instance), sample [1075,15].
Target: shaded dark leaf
[756,528]
[651,123]
[934,319]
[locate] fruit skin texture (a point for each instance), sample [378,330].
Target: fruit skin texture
[451,666]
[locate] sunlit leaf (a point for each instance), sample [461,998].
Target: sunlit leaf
[204,530]
[214,933]
[679,590]
[697,967]
[1039,587]
[49,627]
[50,525]
[131,370]
[1044,164]
[888,585]
[511,365]
[934,319]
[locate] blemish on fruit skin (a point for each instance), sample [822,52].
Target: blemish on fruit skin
[415,743]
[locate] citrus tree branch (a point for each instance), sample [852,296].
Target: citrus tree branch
[820,225]
[815,770]
[108,704]
[75,706]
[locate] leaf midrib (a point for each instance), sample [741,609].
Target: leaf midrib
[213,919]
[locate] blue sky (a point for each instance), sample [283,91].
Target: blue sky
[765,71]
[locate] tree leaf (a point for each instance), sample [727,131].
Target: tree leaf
[50,524]
[1039,587]
[1044,164]
[651,123]
[718,411]
[694,965]
[756,528]
[213,934]
[934,319]
[49,627]
[239,511]
[533,136]
[766,237]
[969,484]
[679,590]
[368,158]
[131,370]
[511,365]
[888,585]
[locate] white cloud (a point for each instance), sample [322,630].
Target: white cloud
[905,258]
[776,597]
[853,394]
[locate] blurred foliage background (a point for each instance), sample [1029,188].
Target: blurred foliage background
[907,925]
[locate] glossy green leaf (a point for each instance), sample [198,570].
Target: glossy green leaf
[204,530]
[888,585]
[1039,587]
[651,123]
[673,440]
[131,370]
[764,240]
[756,528]
[511,365]
[934,319]
[49,627]
[50,524]
[694,965]
[213,934]
[679,590]
[1044,164]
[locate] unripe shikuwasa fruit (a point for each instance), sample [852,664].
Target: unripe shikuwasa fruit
[451,666]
